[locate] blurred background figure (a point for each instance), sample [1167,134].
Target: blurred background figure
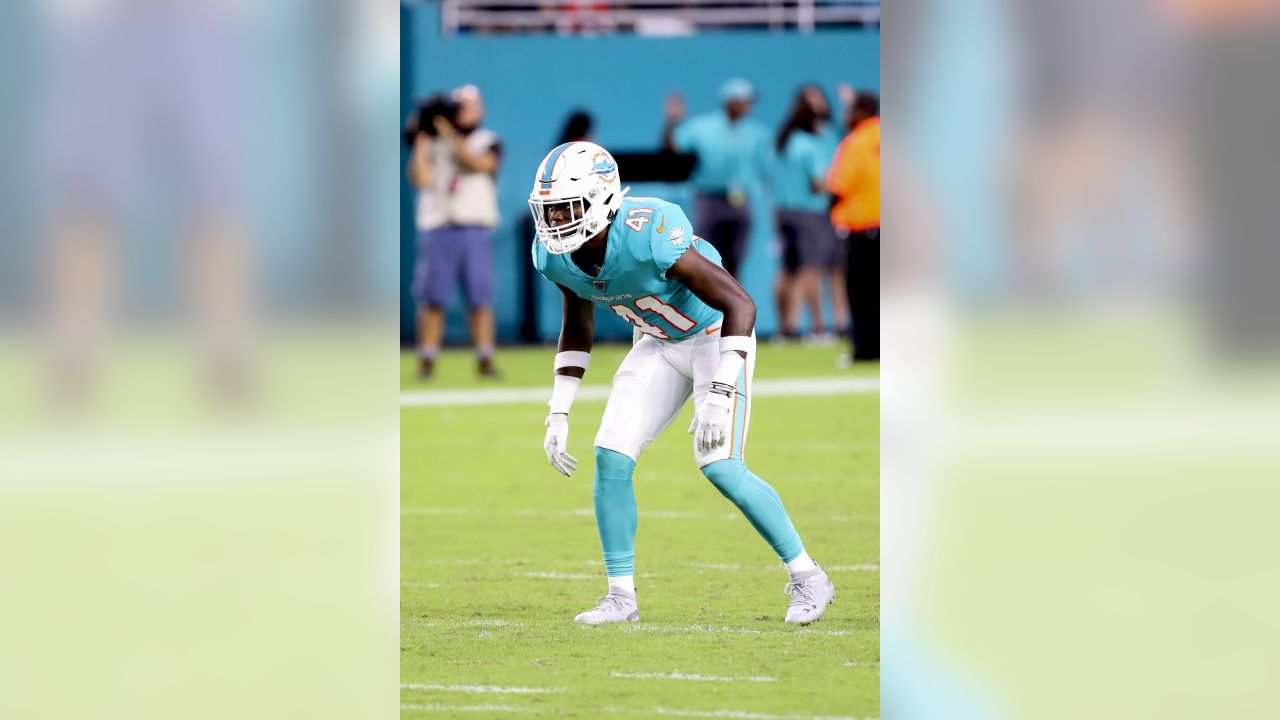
[577,128]
[585,18]
[800,193]
[855,180]
[733,156]
[830,132]
[174,205]
[453,165]
[123,79]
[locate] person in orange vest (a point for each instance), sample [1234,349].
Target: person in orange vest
[854,180]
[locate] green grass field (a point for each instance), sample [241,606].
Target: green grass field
[499,551]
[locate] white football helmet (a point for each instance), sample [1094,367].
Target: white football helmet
[581,177]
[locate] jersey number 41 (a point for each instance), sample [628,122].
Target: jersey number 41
[650,303]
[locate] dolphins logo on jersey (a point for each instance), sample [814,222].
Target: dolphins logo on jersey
[677,236]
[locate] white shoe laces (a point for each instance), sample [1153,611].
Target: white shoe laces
[801,592]
[610,601]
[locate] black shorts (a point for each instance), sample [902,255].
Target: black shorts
[808,241]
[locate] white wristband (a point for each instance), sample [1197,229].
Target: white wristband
[573,358]
[745,343]
[563,391]
[731,364]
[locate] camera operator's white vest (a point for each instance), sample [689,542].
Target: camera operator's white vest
[457,196]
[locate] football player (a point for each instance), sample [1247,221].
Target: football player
[638,257]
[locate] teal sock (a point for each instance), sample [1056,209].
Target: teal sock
[615,501]
[759,502]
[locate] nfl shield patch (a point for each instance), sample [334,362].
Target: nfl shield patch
[600,284]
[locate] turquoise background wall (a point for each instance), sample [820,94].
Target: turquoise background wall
[531,83]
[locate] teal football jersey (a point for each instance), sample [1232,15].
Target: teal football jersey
[646,238]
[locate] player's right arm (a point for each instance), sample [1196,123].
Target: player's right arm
[573,356]
[713,419]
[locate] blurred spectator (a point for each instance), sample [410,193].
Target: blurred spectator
[845,94]
[585,18]
[733,156]
[577,127]
[829,133]
[855,180]
[141,101]
[453,164]
[808,243]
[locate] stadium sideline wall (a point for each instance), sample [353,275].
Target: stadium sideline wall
[531,83]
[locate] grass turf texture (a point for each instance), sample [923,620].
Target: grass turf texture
[531,366]
[498,552]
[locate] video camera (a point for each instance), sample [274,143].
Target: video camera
[422,119]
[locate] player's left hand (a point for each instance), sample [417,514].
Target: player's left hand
[710,426]
[557,443]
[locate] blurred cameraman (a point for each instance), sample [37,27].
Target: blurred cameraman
[452,165]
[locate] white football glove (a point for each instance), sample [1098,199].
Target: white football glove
[557,444]
[712,419]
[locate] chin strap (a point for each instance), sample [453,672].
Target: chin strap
[614,212]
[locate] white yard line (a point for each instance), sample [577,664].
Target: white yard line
[495,689]
[601,712]
[440,707]
[493,623]
[560,575]
[743,715]
[573,512]
[723,629]
[677,675]
[574,576]
[834,385]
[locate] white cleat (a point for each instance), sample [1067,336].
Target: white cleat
[811,592]
[617,606]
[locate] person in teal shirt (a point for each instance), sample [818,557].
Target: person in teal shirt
[806,236]
[734,158]
[830,123]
